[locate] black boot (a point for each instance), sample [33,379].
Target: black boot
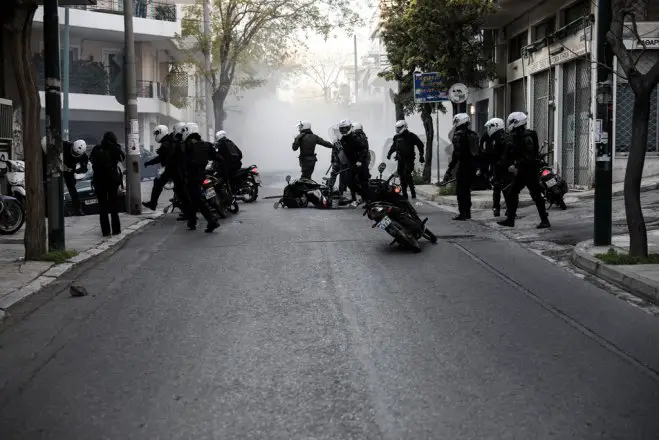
[413,192]
[508,222]
[544,223]
[152,206]
[212,225]
[461,217]
[496,212]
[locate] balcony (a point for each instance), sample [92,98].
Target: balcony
[150,9]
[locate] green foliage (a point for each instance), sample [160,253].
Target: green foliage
[251,37]
[435,36]
[60,257]
[617,259]
[448,190]
[417,178]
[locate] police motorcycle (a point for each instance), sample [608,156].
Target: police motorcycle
[394,214]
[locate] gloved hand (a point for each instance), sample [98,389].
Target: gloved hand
[422,159]
[148,163]
[512,169]
[388,157]
[83,170]
[478,172]
[358,164]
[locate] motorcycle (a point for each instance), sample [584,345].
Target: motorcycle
[301,192]
[246,182]
[554,187]
[12,215]
[392,213]
[15,175]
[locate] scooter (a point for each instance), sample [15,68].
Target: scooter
[16,179]
[554,187]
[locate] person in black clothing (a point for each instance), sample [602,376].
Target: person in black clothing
[197,155]
[357,155]
[229,155]
[494,152]
[339,162]
[358,130]
[466,150]
[164,156]
[106,181]
[74,155]
[403,146]
[523,150]
[306,142]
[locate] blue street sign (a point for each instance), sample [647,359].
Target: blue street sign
[428,88]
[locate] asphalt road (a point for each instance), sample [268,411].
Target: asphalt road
[303,324]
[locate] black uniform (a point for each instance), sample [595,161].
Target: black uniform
[106,180]
[495,149]
[164,157]
[403,146]
[70,164]
[306,142]
[356,150]
[197,155]
[229,157]
[465,155]
[523,151]
[339,164]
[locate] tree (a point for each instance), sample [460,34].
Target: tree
[324,73]
[18,83]
[244,30]
[441,36]
[623,27]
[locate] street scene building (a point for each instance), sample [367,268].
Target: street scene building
[167,93]
[555,84]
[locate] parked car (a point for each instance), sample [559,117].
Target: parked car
[146,173]
[88,199]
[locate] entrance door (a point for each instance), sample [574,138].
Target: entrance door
[543,114]
[576,156]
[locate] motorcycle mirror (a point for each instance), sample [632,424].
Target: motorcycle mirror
[382,167]
[288,179]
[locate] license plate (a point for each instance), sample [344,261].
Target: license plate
[384,223]
[257,179]
[91,202]
[551,182]
[210,193]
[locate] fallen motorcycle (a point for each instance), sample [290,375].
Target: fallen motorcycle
[299,193]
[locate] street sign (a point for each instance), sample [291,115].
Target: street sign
[428,88]
[458,93]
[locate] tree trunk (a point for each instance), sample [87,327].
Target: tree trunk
[400,110]
[426,118]
[17,37]
[219,96]
[638,238]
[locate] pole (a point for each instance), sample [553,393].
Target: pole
[207,74]
[134,199]
[54,182]
[603,140]
[439,174]
[65,75]
[354,38]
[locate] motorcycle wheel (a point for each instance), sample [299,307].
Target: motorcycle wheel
[233,208]
[562,205]
[430,236]
[12,217]
[219,208]
[405,238]
[253,193]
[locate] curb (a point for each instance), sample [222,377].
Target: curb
[632,282]
[477,204]
[18,297]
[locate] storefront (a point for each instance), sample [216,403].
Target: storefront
[576,155]
[542,110]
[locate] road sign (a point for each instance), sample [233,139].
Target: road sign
[458,93]
[428,88]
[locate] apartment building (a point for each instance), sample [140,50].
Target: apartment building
[556,83]
[167,92]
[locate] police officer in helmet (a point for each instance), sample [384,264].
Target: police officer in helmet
[306,142]
[403,146]
[495,138]
[466,150]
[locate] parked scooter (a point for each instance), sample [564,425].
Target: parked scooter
[554,187]
[15,177]
[12,215]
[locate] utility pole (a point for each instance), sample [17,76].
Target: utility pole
[134,199]
[207,74]
[354,38]
[439,174]
[54,182]
[603,140]
[66,42]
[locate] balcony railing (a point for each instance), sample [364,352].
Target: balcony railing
[93,78]
[151,9]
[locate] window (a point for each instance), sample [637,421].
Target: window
[575,17]
[543,29]
[515,46]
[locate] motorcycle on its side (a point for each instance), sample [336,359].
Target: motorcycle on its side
[392,213]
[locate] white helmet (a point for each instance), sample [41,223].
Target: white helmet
[220,135]
[160,132]
[516,120]
[357,126]
[44,144]
[78,148]
[345,126]
[400,126]
[494,125]
[188,129]
[178,128]
[461,119]
[304,125]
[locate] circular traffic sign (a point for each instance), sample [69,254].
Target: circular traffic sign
[458,93]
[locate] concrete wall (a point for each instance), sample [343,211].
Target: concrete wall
[651,167]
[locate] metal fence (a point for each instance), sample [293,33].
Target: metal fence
[6,119]
[542,114]
[576,155]
[625,109]
[154,10]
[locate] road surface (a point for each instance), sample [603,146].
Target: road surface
[303,324]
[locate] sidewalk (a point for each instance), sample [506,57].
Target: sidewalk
[20,280]
[640,279]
